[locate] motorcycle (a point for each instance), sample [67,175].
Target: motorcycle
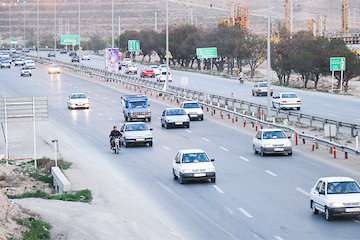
[116,145]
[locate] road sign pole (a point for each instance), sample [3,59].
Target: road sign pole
[6,133]
[341,80]
[34,132]
[332,81]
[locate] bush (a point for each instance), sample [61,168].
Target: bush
[37,229]
[77,196]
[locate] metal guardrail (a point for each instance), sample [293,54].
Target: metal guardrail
[232,107]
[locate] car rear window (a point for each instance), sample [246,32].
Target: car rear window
[274,135]
[289,95]
[136,127]
[175,112]
[78,96]
[191,105]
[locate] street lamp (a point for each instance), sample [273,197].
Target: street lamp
[55,33]
[167,46]
[112,23]
[38,30]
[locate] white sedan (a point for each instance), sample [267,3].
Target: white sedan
[85,57]
[163,76]
[286,100]
[193,164]
[25,72]
[136,133]
[175,117]
[54,69]
[271,141]
[193,110]
[78,100]
[335,196]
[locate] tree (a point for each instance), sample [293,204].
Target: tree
[255,51]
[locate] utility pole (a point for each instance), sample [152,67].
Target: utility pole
[156,23]
[119,22]
[24,3]
[79,29]
[167,46]
[10,23]
[191,16]
[269,66]
[112,23]
[55,33]
[38,29]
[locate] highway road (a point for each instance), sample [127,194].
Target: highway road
[254,197]
[341,108]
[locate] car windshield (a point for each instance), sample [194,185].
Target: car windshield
[136,127]
[191,105]
[164,73]
[137,104]
[263,85]
[342,187]
[274,135]
[78,96]
[194,158]
[289,95]
[175,112]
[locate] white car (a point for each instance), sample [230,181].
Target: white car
[156,69]
[286,100]
[162,76]
[78,100]
[261,89]
[30,64]
[271,141]
[54,69]
[136,133]
[85,57]
[193,110]
[335,196]
[25,72]
[193,164]
[131,68]
[175,117]
[5,64]
[19,62]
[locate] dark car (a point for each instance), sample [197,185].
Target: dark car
[63,51]
[72,54]
[75,59]
[51,54]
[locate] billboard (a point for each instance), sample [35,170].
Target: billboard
[112,60]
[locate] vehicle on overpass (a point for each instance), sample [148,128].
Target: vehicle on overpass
[25,72]
[193,110]
[72,54]
[30,64]
[136,107]
[54,69]
[26,50]
[157,70]
[147,72]
[174,117]
[63,51]
[335,196]
[136,133]
[19,62]
[78,101]
[261,89]
[131,69]
[272,141]
[162,76]
[75,59]
[85,58]
[193,165]
[286,100]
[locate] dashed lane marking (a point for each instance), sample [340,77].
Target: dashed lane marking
[188,131]
[271,173]
[205,139]
[302,191]
[244,159]
[278,238]
[218,189]
[224,149]
[229,210]
[166,148]
[246,213]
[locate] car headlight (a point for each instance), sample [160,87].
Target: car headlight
[268,145]
[187,171]
[336,204]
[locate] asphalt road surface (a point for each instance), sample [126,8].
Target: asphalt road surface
[341,108]
[254,197]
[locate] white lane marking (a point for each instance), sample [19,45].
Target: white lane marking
[302,191]
[113,101]
[244,159]
[111,119]
[278,238]
[205,139]
[229,210]
[187,130]
[166,148]
[166,188]
[271,173]
[218,189]
[224,149]
[357,221]
[246,213]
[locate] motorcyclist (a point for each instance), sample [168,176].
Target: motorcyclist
[115,133]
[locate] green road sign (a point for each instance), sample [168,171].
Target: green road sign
[134,46]
[70,39]
[337,64]
[13,40]
[202,53]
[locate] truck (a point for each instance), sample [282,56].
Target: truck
[136,107]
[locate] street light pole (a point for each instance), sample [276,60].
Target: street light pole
[79,29]
[268,66]
[55,33]
[112,23]
[10,23]
[167,46]
[38,30]
[24,3]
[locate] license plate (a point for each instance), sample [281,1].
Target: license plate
[178,123]
[199,174]
[193,115]
[352,210]
[278,149]
[141,116]
[140,139]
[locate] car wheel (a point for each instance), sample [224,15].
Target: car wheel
[126,145]
[126,118]
[149,119]
[175,177]
[290,153]
[181,179]
[166,126]
[255,151]
[273,105]
[328,215]
[187,125]
[262,152]
[313,209]
[253,93]
[213,180]
[150,144]
[298,108]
